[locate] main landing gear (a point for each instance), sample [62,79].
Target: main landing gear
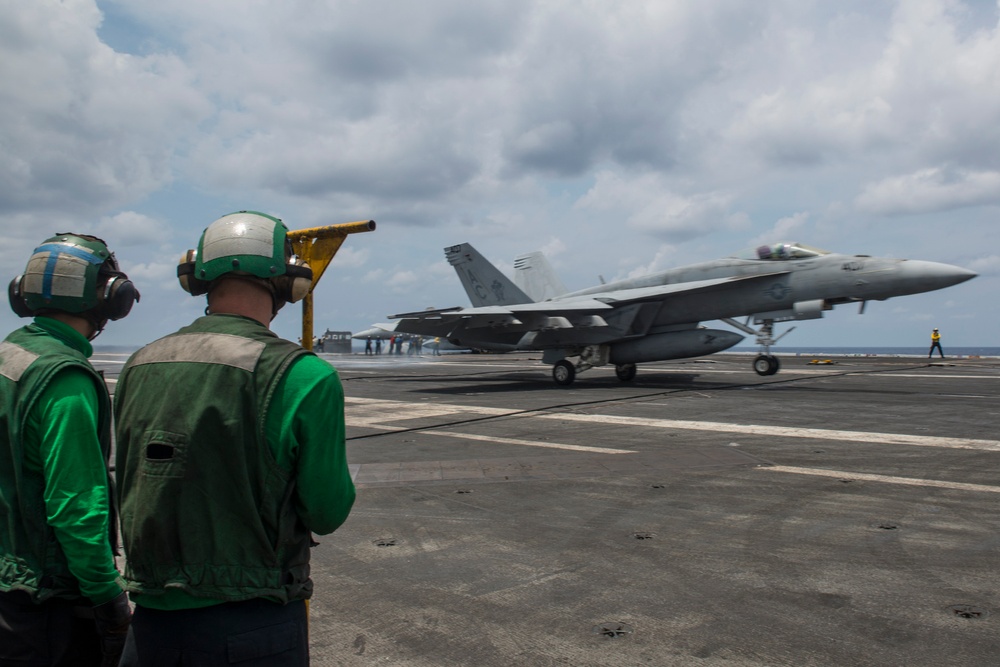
[764,363]
[564,371]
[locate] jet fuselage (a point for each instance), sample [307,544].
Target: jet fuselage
[779,285]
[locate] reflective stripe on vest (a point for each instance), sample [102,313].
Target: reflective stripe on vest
[14,360]
[202,348]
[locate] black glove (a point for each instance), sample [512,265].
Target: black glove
[112,619]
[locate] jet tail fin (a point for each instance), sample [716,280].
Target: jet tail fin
[536,277]
[483,282]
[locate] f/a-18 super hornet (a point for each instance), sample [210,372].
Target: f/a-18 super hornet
[658,316]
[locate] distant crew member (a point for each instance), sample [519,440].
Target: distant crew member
[61,597]
[230,452]
[935,344]
[368,345]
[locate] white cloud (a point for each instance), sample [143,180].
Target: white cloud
[553,248]
[130,228]
[351,257]
[649,206]
[909,84]
[84,128]
[664,258]
[989,265]
[785,229]
[401,282]
[153,276]
[375,276]
[930,190]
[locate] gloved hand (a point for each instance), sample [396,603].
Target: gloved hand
[112,619]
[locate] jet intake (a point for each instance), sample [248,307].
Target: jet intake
[673,345]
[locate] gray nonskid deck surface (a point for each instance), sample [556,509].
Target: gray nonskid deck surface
[838,514]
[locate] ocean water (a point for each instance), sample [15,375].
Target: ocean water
[861,351]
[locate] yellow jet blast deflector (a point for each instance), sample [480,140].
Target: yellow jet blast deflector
[317,246]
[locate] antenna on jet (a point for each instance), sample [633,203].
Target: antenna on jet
[601,278]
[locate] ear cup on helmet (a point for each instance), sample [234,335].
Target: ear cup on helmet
[118,296]
[16,298]
[295,284]
[185,275]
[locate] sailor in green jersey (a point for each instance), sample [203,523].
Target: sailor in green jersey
[230,453]
[61,598]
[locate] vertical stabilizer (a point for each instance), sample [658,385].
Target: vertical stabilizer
[482,281]
[535,276]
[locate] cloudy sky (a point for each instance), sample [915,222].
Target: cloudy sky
[620,138]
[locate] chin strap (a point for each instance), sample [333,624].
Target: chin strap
[98,323]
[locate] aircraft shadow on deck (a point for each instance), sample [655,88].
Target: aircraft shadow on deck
[532,381]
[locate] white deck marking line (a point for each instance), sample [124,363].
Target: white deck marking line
[788,432]
[388,404]
[908,481]
[935,375]
[400,412]
[373,416]
[535,443]
[380,413]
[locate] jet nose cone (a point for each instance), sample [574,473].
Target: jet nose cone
[927,276]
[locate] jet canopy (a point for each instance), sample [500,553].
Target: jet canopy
[781,251]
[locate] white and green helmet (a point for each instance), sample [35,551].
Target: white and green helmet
[246,243]
[73,273]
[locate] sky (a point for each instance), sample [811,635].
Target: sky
[618,138]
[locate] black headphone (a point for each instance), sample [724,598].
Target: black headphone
[17,302]
[117,297]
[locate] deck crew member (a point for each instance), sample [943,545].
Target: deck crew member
[230,451]
[61,597]
[935,344]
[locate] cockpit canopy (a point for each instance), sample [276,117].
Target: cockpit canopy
[781,251]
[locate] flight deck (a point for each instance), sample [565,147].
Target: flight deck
[841,512]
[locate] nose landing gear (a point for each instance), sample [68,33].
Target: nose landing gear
[764,363]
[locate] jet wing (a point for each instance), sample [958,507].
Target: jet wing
[575,305]
[569,306]
[430,313]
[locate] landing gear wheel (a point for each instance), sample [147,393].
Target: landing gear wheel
[766,364]
[625,372]
[563,373]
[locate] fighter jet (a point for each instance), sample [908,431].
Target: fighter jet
[658,316]
[377,331]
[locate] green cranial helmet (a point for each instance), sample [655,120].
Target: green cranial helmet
[246,243]
[73,273]
[62,274]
